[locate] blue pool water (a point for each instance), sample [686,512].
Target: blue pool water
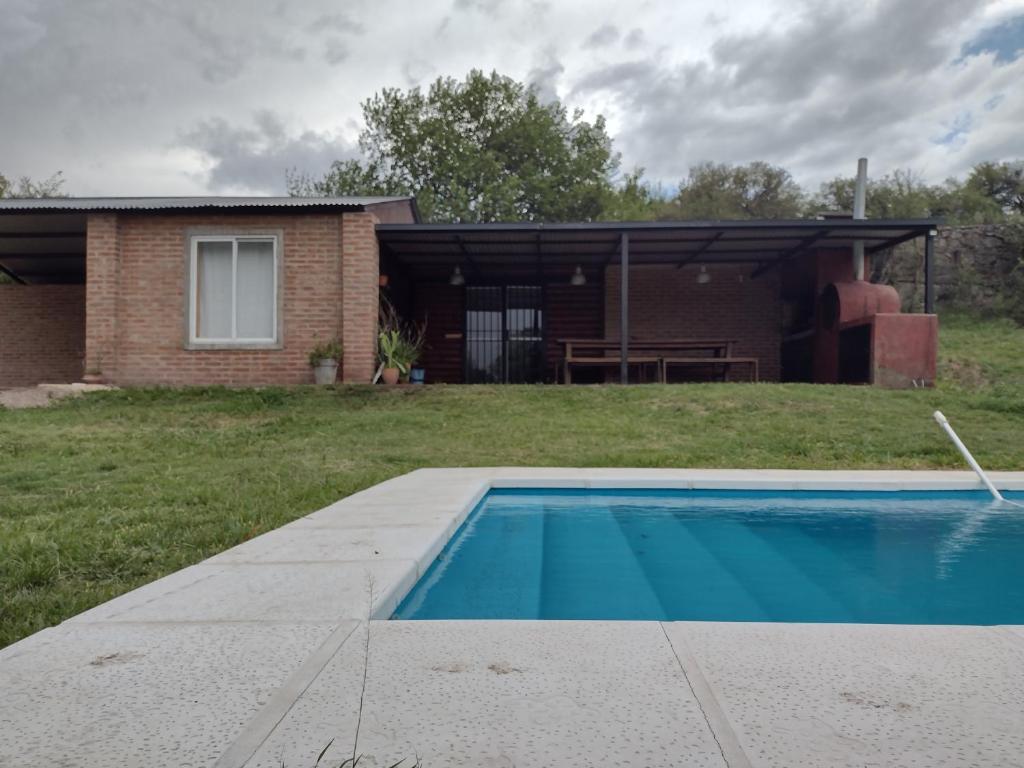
[906,558]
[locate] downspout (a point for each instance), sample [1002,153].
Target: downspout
[859,203]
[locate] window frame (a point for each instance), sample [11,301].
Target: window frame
[192,338]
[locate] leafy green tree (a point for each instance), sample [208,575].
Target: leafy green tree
[899,195]
[1001,182]
[633,199]
[904,195]
[756,190]
[480,150]
[959,203]
[26,187]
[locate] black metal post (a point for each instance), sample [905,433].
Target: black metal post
[624,308]
[929,272]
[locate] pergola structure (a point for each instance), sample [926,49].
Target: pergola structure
[538,250]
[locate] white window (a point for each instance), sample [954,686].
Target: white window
[233,290]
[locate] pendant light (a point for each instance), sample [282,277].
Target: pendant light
[578,278]
[456,278]
[703,277]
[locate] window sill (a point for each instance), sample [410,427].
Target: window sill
[214,346]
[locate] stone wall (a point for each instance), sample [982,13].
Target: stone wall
[972,267]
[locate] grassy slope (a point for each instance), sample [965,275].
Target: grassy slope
[102,494]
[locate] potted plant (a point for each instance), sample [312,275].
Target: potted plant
[324,359]
[399,344]
[393,355]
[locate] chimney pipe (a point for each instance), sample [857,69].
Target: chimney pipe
[859,203]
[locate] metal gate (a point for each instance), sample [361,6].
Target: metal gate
[504,334]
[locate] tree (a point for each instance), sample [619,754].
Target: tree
[899,195]
[757,190]
[633,199]
[1002,183]
[480,150]
[904,195]
[25,187]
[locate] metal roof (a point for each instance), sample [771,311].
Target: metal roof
[42,240]
[186,203]
[761,242]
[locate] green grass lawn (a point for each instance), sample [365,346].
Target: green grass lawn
[107,492]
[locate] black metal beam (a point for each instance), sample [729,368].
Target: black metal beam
[758,254]
[539,261]
[703,249]
[11,275]
[624,308]
[40,235]
[649,226]
[792,253]
[468,257]
[929,273]
[48,255]
[551,243]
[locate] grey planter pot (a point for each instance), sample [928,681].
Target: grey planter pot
[325,371]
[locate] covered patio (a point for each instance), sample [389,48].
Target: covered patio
[42,322]
[629,302]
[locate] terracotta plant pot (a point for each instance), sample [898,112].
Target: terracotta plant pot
[390,376]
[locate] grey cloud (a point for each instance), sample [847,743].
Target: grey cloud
[837,83]
[336,50]
[337,22]
[635,39]
[223,49]
[544,76]
[119,93]
[489,7]
[603,36]
[256,159]
[416,70]
[615,76]
[831,42]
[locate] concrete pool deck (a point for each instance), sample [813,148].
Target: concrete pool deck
[265,653]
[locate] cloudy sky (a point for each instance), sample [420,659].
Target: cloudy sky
[181,97]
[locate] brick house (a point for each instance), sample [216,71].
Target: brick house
[235,291]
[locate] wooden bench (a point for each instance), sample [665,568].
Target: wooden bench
[725,362]
[597,361]
[607,353]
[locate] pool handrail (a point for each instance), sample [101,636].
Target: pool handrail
[948,428]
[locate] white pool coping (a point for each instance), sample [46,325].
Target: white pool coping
[259,655]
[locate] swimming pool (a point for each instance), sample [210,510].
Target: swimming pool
[684,555]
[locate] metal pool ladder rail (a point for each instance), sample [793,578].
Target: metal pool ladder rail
[944,423]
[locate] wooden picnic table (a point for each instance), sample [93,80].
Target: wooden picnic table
[660,352]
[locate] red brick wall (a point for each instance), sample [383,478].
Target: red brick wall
[102,270]
[572,312]
[42,334]
[148,270]
[667,302]
[360,296]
